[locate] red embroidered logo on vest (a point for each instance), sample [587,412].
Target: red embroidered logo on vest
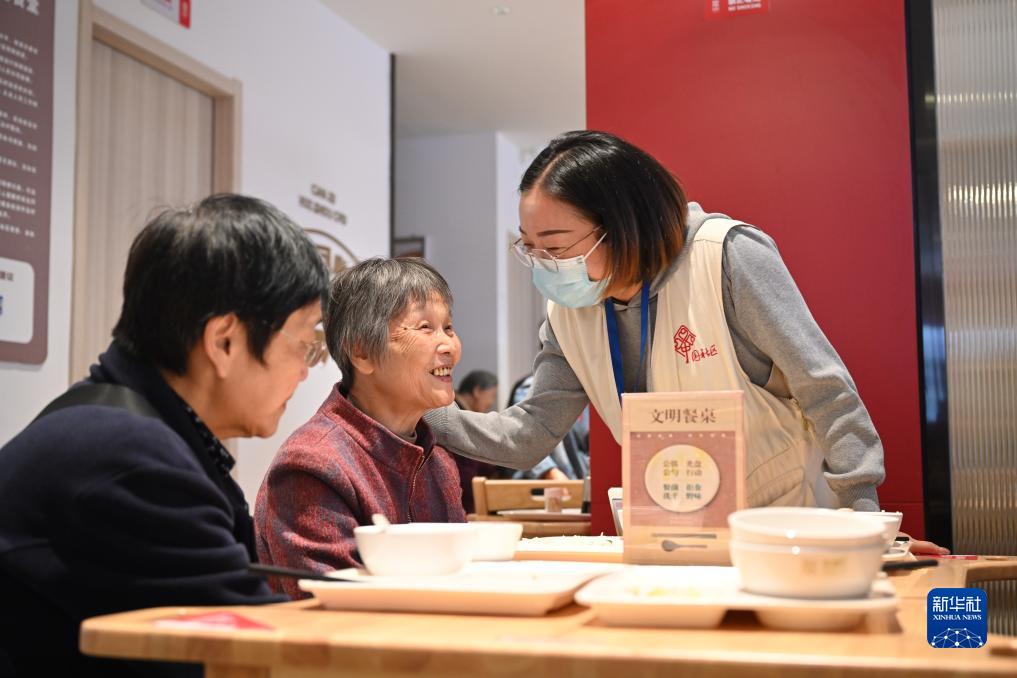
[684,339]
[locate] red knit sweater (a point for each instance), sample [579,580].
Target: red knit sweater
[332,474]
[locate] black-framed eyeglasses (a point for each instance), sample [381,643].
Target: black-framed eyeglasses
[548,259]
[315,351]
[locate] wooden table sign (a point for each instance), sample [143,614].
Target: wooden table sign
[683,472]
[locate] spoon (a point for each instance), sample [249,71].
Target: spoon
[276,571]
[380,521]
[669,546]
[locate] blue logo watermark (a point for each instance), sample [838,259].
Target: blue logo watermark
[956,618]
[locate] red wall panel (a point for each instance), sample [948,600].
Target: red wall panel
[795,120]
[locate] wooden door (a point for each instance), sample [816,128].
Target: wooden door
[150,142]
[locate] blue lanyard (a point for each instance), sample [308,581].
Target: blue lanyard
[612,336]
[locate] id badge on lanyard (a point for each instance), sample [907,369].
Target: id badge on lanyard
[615,343]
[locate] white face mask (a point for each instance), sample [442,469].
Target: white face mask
[569,284]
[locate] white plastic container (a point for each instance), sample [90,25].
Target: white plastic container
[496,540]
[669,596]
[416,548]
[890,520]
[800,526]
[814,572]
[806,552]
[508,588]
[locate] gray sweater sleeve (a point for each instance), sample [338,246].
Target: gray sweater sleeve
[525,433]
[768,316]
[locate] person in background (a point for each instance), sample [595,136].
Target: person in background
[119,496]
[570,459]
[367,450]
[477,392]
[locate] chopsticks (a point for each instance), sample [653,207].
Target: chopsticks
[910,565]
[276,571]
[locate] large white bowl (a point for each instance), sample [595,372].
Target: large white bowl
[799,526]
[496,540]
[416,548]
[807,571]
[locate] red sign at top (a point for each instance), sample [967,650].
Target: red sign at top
[726,8]
[178,11]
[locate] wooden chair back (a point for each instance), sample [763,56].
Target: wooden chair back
[491,496]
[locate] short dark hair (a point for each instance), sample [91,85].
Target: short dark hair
[366,297]
[225,254]
[624,190]
[481,379]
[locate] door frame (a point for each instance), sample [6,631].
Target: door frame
[97,24]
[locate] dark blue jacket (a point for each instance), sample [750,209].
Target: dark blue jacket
[104,510]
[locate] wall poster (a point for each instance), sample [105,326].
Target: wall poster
[26,158]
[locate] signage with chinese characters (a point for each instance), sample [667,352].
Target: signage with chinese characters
[683,473]
[26,152]
[955,618]
[336,255]
[726,8]
[178,11]
[322,202]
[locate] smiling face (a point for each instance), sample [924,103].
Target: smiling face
[415,374]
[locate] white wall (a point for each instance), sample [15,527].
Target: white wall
[315,103]
[27,388]
[510,166]
[315,109]
[524,307]
[445,191]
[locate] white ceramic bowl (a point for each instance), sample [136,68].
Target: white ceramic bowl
[799,526]
[496,540]
[416,548]
[890,520]
[807,571]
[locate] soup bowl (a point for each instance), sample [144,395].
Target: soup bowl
[806,552]
[415,548]
[496,540]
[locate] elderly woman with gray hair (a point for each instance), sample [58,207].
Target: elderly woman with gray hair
[367,450]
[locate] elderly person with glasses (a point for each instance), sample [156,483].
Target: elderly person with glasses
[119,496]
[367,449]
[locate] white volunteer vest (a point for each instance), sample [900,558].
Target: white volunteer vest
[692,351]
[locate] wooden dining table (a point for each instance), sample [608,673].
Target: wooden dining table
[301,639]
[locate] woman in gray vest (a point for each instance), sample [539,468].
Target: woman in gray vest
[697,301]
